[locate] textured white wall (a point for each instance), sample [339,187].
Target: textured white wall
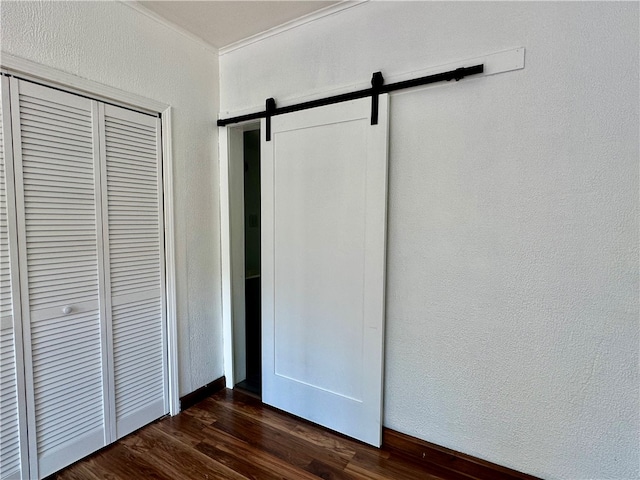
[512,304]
[110,43]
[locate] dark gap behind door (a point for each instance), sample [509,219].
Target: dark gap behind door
[253,381]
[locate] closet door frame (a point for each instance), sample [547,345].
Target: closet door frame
[16,305]
[12,65]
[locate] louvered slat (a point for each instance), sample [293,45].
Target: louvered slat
[60,268]
[135,267]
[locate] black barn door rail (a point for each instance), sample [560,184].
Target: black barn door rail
[377,88]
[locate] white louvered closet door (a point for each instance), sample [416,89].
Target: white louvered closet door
[60,247]
[13,446]
[134,242]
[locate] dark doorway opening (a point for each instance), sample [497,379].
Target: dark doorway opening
[253,330]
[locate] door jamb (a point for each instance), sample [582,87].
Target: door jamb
[231,149]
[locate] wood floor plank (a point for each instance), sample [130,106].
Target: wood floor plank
[187,428]
[276,442]
[125,464]
[247,466]
[344,446]
[251,407]
[232,436]
[180,461]
[249,458]
[260,436]
[202,412]
[78,472]
[385,468]
[328,472]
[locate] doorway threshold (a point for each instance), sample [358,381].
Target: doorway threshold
[251,387]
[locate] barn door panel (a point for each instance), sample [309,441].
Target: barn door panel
[324,184]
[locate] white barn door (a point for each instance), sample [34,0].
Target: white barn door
[324,198]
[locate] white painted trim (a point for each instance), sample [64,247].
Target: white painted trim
[237,249]
[233,319]
[170,263]
[14,272]
[140,8]
[32,449]
[225,256]
[298,22]
[494,63]
[66,81]
[71,83]
[166,401]
[104,271]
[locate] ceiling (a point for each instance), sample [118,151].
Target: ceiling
[220,23]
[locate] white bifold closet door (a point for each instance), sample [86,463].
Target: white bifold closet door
[132,191]
[13,445]
[90,235]
[59,226]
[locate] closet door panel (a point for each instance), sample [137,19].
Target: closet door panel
[13,446]
[59,226]
[9,429]
[132,191]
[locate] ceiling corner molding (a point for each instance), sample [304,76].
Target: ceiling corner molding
[138,7]
[311,17]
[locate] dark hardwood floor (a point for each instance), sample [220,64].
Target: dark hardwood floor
[231,435]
